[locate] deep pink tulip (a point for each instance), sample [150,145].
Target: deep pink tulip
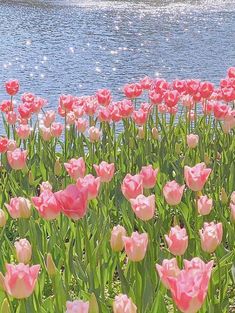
[169,268]
[73,201]
[132,91]
[104,114]
[192,86]
[90,183]
[132,186]
[104,97]
[76,168]
[206,89]
[19,207]
[179,85]
[56,129]
[204,205]
[146,83]
[115,113]
[208,107]
[149,176]
[47,205]
[160,85]
[28,97]
[228,94]
[81,125]
[25,110]
[220,110]
[12,87]
[66,102]
[173,192]
[171,98]
[145,106]
[136,246]
[140,117]
[177,240]
[23,131]
[20,280]
[143,207]
[23,251]
[90,106]
[192,141]
[17,159]
[189,288]
[77,306]
[125,108]
[155,97]
[105,171]
[211,236]
[196,176]
[231,72]
[116,241]
[3,144]
[162,108]
[6,106]
[123,304]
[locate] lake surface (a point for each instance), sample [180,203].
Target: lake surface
[76,47]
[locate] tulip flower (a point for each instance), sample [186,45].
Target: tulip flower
[149,176]
[91,184]
[77,306]
[12,87]
[173,192]
[192,141]
[204,205]
[177,240]
[136,246]
[169,268]
[19,207]
[47,205]
[2,218]
[116,240]
[23,251]
[123,304]
[76,168]
[196,176]
[94,134]
[132,186]
[105,171]
[211,236]
[17,159]
[143,207]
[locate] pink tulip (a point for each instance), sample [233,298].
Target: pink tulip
[132,91]
[20,280]
[115,113]
[208,107]
[70,118]
[125,108]
[25,110]
[11,145]
[232,212]
[12,87]
[11,117]
[19,207]
[179,85]
[155,133]
[94,134]
[56,129]
[47,205]
[231,72]
[23,251]
[140,117]
[204,205]
[66,102]
[81,125]
[192,86]
[189,288]
[73,201]
[196,176]
[149,176]
[177,240]
[3,219]
[132,186]
[206,89]
[49,118]
[146,82]
[136,246]
[104,114]
[220,110]
[7,106]
[104,97]
[76,168]
[173,192]
[23,131]
[105,171]
[45,133]
[233,197]
[140,134]
[3,144]
[143,207]
[155,97]
[169,268]
[160,86]
[211,236]
[116,240]
[123,304]
[192,141]
[77,306]
[90,183]
[171,98]
[45,186]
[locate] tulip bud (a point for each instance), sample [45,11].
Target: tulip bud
[177,148]
[116,241]
[31,179]
[93,305]
[5,306]
[141,133]
[23,251]
[57,167]
[2,218]
[206,159]
[155,133]
[223,196]
[2,281]
[50,265]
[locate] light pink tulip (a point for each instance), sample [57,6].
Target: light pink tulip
[233,197]
[76,168]
[123,304]
[23,251]
[169,268]
[45,186]
[192,141]
[143,207]
[149,176]
[116,240]
[177,240]
[3,219]
[136,246]
[92,185]
[125,108]
[19,207]
[211,236]
[23,131]
[132,186]
[204,205]
[70,118]
[20,280]
[49,118]
[189,288]
[11,145]
[232,207]
[11,117]
[94,134]
[77,306]
[105,171]
[140,117]
[47,205]
[45,132]
[56,129]
[73,201]
[196,176]
[81,125]
[173,192]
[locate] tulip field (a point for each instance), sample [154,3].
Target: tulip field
[119,206]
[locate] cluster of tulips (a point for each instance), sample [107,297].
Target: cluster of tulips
[120,207]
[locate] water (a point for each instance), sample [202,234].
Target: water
[78,46]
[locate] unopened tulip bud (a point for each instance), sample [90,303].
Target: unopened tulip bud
[232,212]
[31,179]
[2,218]
[50,265]
[207,159]
[93,305]
[2,281]
[218,156]
[223,196]
[57,167]
[177,148]
[155,133]
[141,133]
[5,306]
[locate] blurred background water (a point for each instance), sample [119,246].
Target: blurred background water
[78,46]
